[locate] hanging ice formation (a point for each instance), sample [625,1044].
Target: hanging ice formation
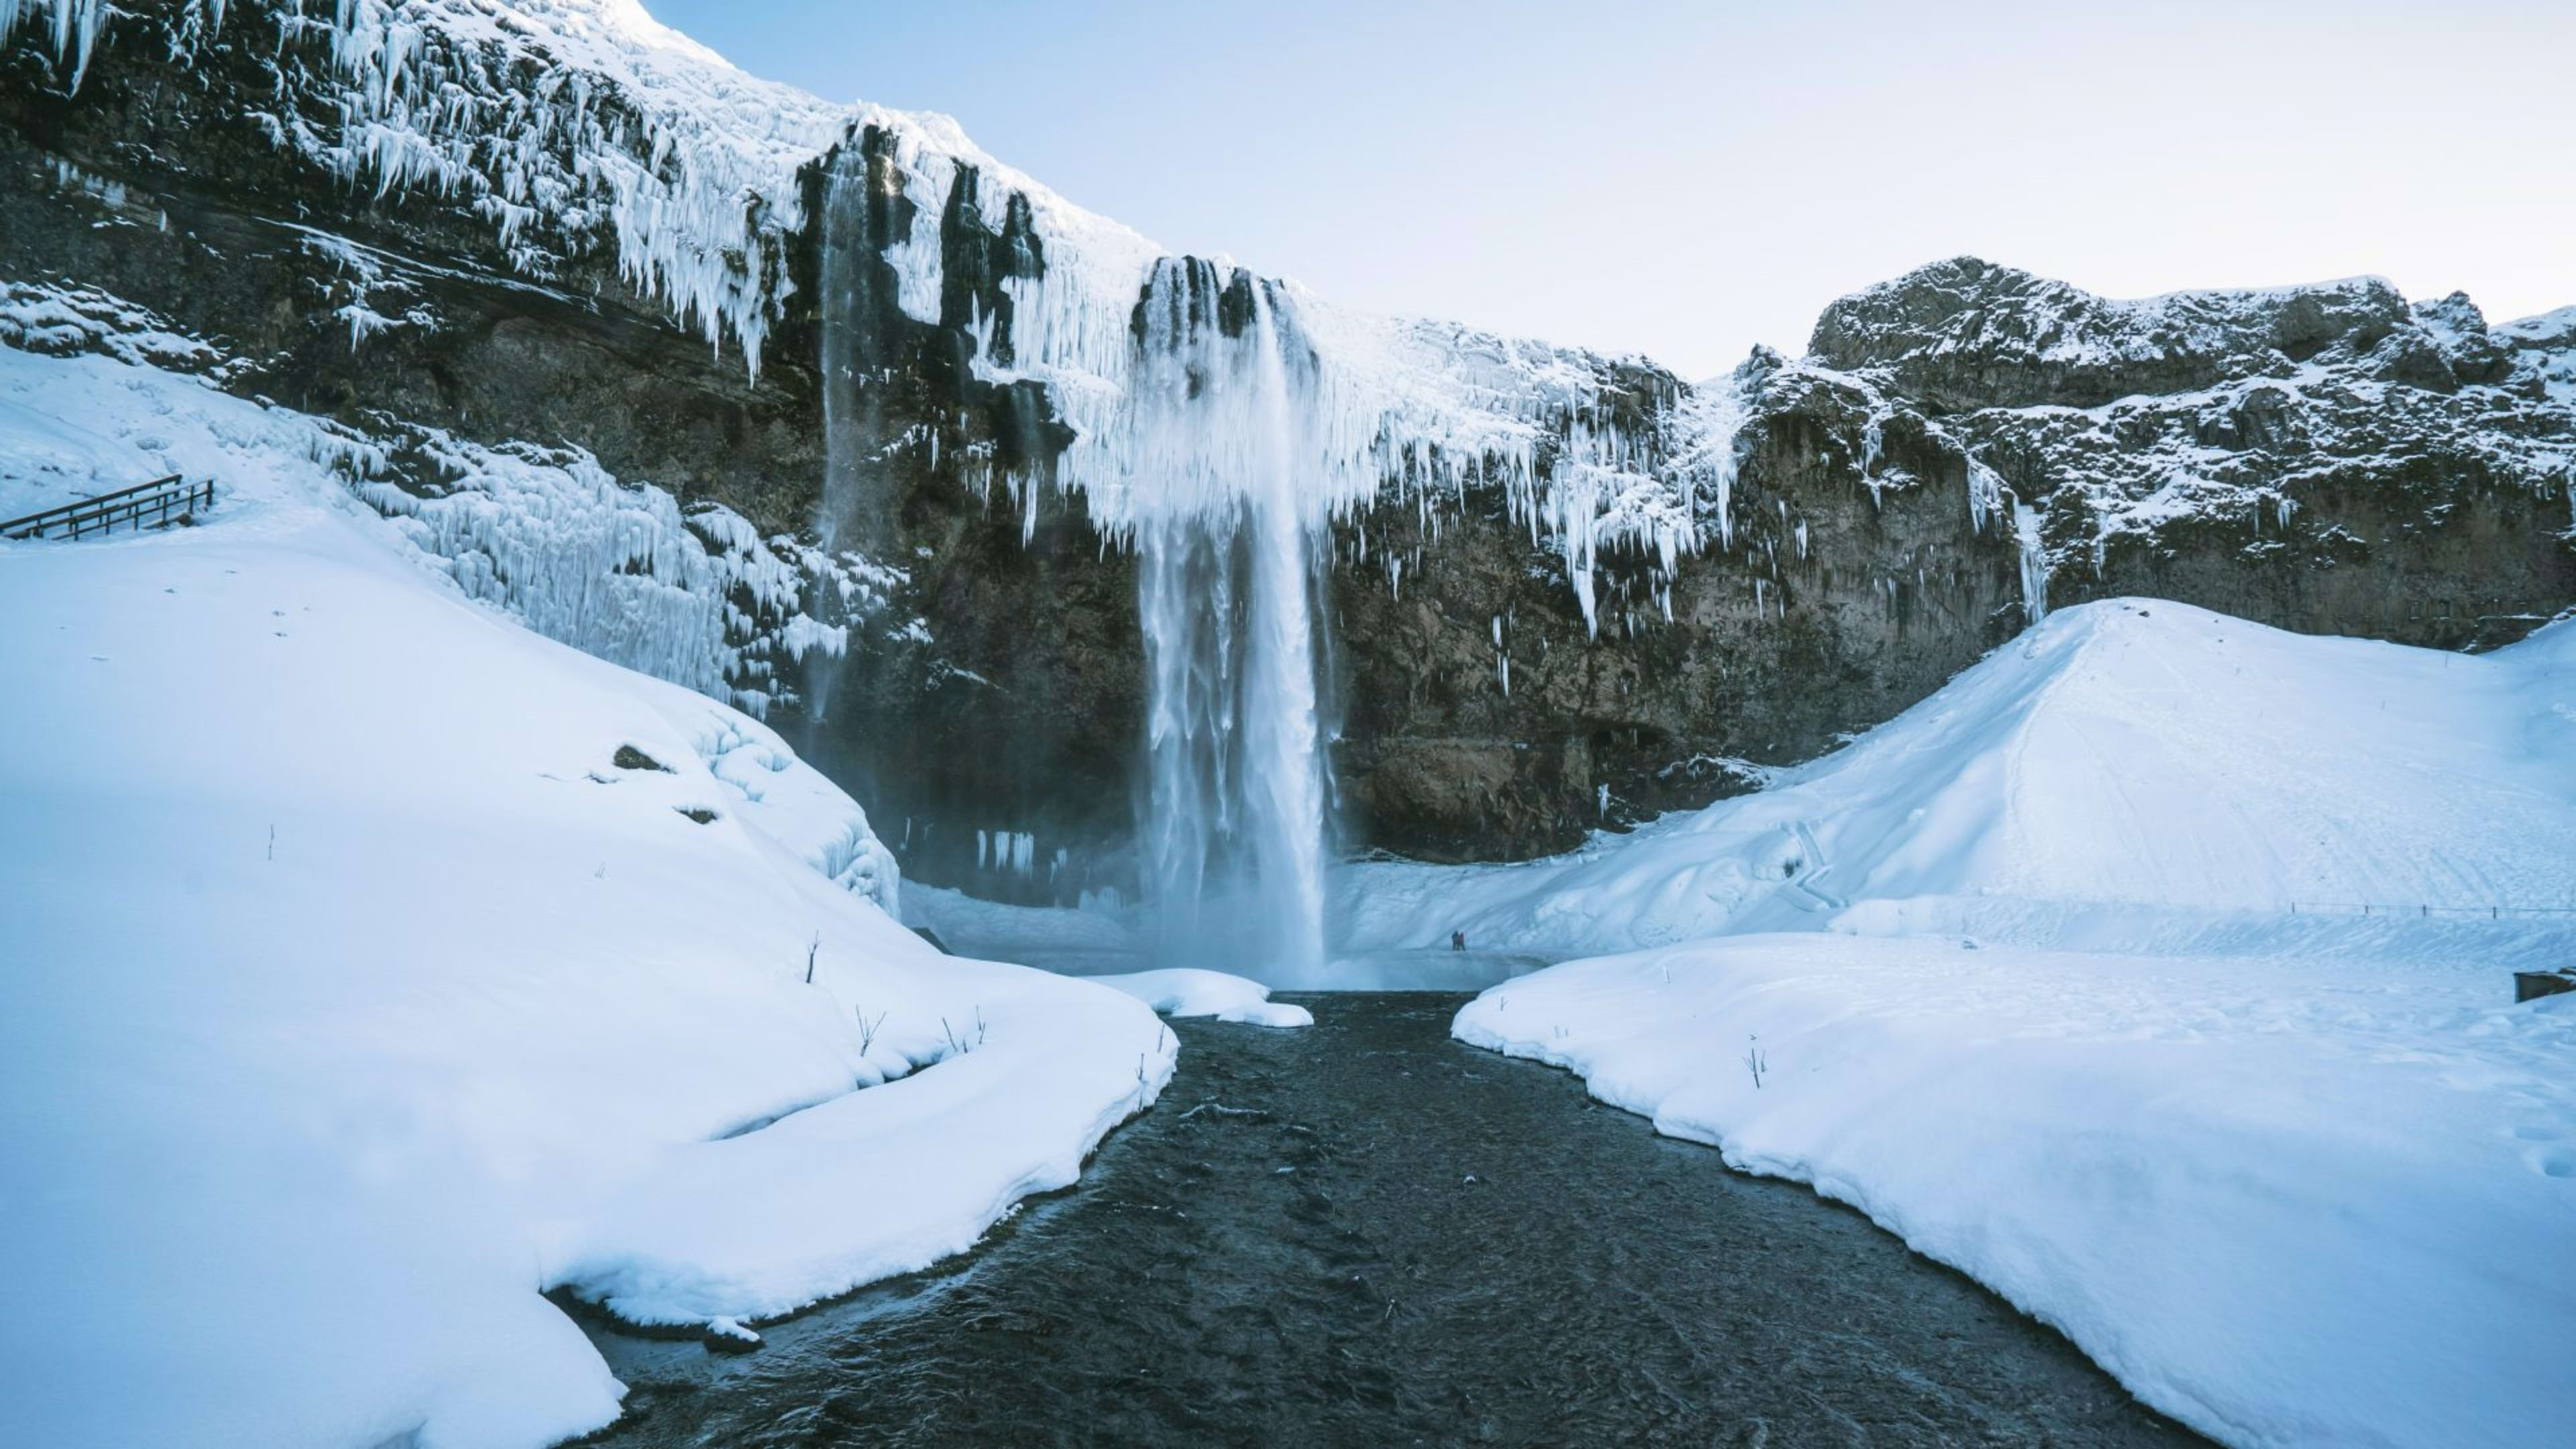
[581,131]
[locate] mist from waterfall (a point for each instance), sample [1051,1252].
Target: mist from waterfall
[1229,533]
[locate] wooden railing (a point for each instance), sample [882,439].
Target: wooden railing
[156,502]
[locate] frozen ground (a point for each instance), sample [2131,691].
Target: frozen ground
[2065,977]
[358,994]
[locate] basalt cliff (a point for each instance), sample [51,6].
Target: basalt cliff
[821,410]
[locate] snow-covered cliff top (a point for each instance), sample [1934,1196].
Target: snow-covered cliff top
[1968,333]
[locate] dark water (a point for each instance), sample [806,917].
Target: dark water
[1366,1233]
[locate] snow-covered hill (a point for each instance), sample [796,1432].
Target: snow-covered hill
[376,965]
[2156,973]
[2132,756]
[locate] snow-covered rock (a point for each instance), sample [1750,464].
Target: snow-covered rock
[1186,992]
[1575,589]
[694,594]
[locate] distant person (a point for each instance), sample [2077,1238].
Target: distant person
[1457,940]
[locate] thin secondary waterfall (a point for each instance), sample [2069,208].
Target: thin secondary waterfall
[1228,531]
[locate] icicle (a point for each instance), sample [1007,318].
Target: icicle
[2027,520]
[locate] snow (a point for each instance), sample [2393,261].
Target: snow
[1099,942]
[2327,1199]
[2232,409]
[1184,991]
[993,928]
[358,996]
[2155,974]
[2548,343]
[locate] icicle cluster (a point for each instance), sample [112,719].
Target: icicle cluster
[567,124]
[623,572]
[563,124]
[73,26]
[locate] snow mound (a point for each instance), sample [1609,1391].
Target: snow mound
[377,965]
[2129,756]
[1185,992]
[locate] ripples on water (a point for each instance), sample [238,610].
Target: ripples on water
[1365,1233]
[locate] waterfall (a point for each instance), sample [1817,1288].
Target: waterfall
[1220,450]
[849,278]
[1214,423]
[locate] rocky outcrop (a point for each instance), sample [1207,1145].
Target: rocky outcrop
[2323,458]
[1801,551]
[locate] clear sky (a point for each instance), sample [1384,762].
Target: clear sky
[1688,179]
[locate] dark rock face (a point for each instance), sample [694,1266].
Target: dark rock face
[1016,705]
[1774,649]
[2326,459]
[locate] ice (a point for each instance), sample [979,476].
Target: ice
[2028,523]
[567,126]
[359,995]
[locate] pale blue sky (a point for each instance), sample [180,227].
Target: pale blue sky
[1687,180]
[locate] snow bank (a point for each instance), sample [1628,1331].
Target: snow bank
[376,965]
[2133,754]
[1181,991]
[2154,973]
[2322,1200]
[1096,942]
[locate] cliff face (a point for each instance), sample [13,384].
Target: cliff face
[2322,458]
[1606,595]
